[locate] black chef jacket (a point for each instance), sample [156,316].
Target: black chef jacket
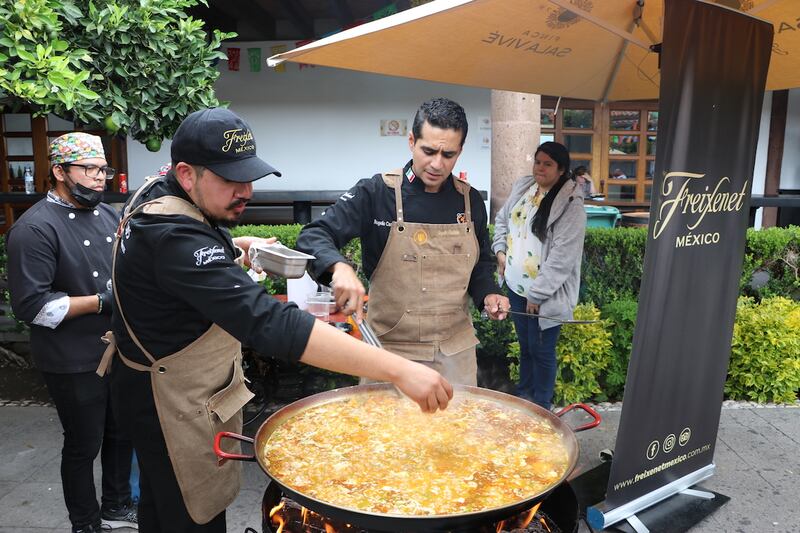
[176,275]
[368,210]
[56,251]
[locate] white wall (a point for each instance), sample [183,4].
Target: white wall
[760,167]
[790,166]
[321,127]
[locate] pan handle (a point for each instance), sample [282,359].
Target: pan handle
[225,456]
[591,412]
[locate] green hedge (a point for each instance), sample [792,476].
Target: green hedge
[287,235]
[772,263]
[613,261]
[593,359]
[584,353]
[765,361]
[765,351]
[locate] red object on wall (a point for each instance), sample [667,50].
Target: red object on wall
[233,58]
[123,182]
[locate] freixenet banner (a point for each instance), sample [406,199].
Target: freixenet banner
[713,71]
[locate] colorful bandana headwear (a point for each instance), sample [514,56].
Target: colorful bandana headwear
[74,147]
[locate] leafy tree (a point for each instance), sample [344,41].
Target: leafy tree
[131,66]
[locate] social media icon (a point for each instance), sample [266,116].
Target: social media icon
[669,443]
[652,449]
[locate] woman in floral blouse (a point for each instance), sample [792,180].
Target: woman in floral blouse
[539,244]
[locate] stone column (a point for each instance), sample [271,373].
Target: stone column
[516,126]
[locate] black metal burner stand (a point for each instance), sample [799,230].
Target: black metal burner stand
[676,514]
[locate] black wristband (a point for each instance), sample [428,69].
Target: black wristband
[104,299]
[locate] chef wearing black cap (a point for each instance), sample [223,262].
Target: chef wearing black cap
[184,305]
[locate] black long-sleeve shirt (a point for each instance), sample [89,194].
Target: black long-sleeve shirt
[176,275]
[56,251]
[367,211]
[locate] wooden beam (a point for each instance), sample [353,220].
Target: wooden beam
[777,134]
[342,12]
[41,159]
[248,15]
[299,17]
[213,18]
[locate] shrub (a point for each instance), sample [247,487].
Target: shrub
[287,235]
[583,353]
[613,262]
[495,335]
[765,351]
[773,256]
[621,317]
[137,67]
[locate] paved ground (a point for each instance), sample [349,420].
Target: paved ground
[757,458]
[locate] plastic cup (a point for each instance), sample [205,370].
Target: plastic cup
[320,305]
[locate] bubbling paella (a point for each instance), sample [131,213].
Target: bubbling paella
[378,453]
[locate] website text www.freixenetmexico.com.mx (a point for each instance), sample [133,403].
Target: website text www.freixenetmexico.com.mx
[663,466]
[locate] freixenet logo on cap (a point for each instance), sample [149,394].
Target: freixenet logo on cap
[221,141]
[239,141]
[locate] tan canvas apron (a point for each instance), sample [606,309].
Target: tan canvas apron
[198,391]
[418,301]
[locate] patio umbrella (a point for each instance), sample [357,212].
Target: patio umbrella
[590,49]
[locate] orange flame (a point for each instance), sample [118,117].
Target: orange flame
[519,521]
[275,509]
[544,524]
[278,519]
[530,515]
[329,529]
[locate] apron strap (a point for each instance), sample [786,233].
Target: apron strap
[148,182]
[136,366]
[463,187]
[105,361]
[165,205]
[394,180]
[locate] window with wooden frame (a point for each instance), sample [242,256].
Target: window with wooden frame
[615,141]
[575,125]
[25,141]
[631,149]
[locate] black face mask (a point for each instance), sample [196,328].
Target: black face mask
[85,196]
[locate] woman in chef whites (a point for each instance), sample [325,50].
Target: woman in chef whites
[538,241]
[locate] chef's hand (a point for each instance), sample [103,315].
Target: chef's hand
[501,264]
[425,386]
[532,308]
[245,242]
[348,291]
[496,306]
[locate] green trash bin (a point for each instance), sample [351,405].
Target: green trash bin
[601,216]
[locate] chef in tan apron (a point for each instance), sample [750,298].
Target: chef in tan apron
[192,411]
[183,304]
[418,301]
[424,246]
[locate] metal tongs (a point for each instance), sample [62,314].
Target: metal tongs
[485,315]
[368,335]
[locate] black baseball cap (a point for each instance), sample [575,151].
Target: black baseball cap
[221,141]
